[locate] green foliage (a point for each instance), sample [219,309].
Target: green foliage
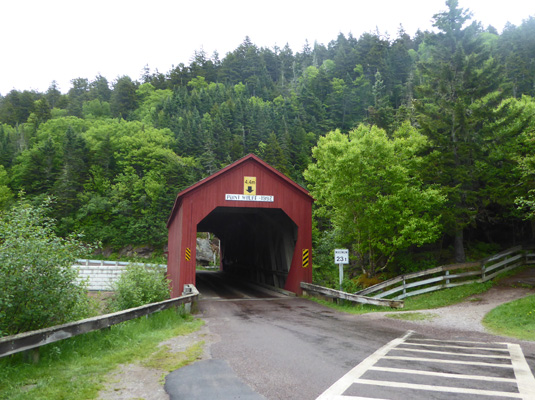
[519,123]
[460,85]
[117,180]
[408,262]
[139,285]
[6,196]
[325,272]
[369,186]
[446,297]
[95,109]
[38,285]
[516,319]
[77,368]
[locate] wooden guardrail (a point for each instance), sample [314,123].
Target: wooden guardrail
[310,288]
[450,275]
[35,339]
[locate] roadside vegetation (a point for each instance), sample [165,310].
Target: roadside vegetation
[38,286]
[139,285]
[77,368]
[437,299]
[515,319]
[39,289]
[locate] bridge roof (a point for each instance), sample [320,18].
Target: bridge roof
[250,158]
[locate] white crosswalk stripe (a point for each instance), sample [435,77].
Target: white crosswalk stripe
[411,365]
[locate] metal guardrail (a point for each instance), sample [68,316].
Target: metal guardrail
[35,339]
[310,288]
[104,263]
[450,276]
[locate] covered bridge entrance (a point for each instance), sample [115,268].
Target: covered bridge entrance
[262,218]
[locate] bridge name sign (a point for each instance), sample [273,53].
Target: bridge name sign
[248,197]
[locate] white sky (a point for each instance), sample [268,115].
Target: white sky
[46,40]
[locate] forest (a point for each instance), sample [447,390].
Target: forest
[418,150]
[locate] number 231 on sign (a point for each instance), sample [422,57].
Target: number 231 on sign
[341,256]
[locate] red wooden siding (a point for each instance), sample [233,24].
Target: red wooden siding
[195,203]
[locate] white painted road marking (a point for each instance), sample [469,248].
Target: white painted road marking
[522,386]
[348,379]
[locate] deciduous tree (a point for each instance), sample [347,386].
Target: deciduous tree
[370,188]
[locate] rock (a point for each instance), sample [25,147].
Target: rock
[127,251]
[143,251]
[205,254]
[106,252]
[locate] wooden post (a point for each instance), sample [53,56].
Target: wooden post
[32,355]
[447,279]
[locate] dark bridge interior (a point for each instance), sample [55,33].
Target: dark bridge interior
[256,243]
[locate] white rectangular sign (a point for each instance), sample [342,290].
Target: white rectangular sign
[341,256]
[247,197]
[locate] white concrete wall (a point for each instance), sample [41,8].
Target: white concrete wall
[101,274]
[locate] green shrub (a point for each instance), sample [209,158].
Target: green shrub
[38,285]
[138,285]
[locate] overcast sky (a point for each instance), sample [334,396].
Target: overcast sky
[46,40]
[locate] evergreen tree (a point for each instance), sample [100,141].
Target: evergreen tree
[77,95]
[124,97]
[71,177]
[458,76]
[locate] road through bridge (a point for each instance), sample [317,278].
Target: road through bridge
[271,346]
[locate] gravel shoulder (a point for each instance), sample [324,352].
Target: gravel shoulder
[136,381]
[468,315]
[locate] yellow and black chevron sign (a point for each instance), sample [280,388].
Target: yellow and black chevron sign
[305,258]
[188,254]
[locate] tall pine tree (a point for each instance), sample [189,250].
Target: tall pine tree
[458,80]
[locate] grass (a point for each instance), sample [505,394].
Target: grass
[412,316]
[169,361]
[77,368]
[446,297]
[515,319]
[440,298]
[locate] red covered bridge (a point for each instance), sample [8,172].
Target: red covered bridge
[262,218]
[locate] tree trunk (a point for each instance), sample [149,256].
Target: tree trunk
[460,257]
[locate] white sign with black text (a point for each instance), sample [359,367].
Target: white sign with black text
[248,197]
[341,256]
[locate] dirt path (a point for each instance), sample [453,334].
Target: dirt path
[135,381]
[468,315]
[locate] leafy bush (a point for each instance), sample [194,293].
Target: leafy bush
[138,285]
[38,285]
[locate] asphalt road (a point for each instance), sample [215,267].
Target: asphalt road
[270,346]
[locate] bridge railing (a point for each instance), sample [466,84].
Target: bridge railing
[35,339]
[309,288]
[449,276]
